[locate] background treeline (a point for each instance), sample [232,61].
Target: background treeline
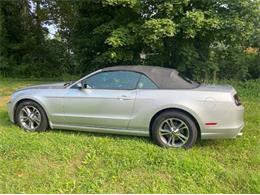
[205,39]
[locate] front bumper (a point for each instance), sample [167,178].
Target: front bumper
[10,111]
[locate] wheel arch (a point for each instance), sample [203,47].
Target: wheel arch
[32,100]
[175,109]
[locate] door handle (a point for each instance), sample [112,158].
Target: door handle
[124,97]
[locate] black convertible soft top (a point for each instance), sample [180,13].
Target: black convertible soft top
[164,78]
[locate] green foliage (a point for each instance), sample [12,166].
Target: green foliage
[123,3]
[120,37]
[76,162]
[154,30]
[253,61]
[25,49]
[202,38]
[178,34]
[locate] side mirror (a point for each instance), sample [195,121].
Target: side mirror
[79,85]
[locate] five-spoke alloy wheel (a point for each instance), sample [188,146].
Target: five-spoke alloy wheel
[174,132]
[30,116]
[174,129]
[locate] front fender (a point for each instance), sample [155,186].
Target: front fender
[13,104]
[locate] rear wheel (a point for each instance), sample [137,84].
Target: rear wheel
[30,116]
[174,129]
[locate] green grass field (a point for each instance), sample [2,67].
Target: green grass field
[78,162]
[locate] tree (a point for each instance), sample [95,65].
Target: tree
[13,20]
[25,47]
[174,33]
[204,39]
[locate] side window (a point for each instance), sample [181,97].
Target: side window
[124,80]
[146,83]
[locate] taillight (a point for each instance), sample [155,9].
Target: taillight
[237,100]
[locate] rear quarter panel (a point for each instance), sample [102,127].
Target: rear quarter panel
[204,106]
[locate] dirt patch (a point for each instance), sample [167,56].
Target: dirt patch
[75,162]
[4,100]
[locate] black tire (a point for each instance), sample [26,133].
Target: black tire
[192,128]
[43,125]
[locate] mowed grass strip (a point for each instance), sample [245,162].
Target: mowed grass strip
[77,162]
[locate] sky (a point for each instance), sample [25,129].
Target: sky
[51,28]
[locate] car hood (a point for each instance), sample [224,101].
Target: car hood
[215,88]
[59,85]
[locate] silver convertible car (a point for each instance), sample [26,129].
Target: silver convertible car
[133,100]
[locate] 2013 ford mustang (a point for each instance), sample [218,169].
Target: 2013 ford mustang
[134,100]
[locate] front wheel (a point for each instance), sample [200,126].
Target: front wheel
[30,116]
[174,129]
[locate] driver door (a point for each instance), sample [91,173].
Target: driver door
[106,100]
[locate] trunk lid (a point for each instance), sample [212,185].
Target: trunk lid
[216,88]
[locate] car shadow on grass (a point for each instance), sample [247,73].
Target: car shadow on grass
[146,140]
[5,122]
[96,134]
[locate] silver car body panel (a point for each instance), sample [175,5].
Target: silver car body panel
[130,112]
